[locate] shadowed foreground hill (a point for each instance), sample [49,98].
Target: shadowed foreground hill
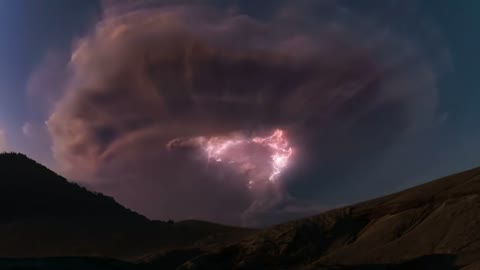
[431,226]
[42,214]
[29,191]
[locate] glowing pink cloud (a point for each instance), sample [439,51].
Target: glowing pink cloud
[235,150]
[143,76]
[282,151]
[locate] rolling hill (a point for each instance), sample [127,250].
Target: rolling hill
[49,223]
[431,226]
[44,215]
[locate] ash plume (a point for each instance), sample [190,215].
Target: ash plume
[339,85]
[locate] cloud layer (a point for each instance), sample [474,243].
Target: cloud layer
[342,87]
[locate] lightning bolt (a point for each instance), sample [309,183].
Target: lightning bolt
[217,148]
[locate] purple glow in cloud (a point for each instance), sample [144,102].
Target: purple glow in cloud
[143,76]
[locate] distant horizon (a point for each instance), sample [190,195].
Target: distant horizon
[293,219]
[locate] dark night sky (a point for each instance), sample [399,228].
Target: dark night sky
[375,96]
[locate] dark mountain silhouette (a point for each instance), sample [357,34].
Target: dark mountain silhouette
[42,214]
[29,190]
[431,226]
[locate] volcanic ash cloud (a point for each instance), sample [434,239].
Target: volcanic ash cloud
[143,77]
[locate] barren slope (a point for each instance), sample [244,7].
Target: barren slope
[431,225]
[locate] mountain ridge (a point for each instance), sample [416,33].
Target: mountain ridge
[431,226]
[438,218]
[32,190]
[45,215]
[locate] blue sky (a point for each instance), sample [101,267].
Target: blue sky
[28,30]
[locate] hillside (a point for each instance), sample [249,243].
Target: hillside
[431,226]
[44,215]
[29,190]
